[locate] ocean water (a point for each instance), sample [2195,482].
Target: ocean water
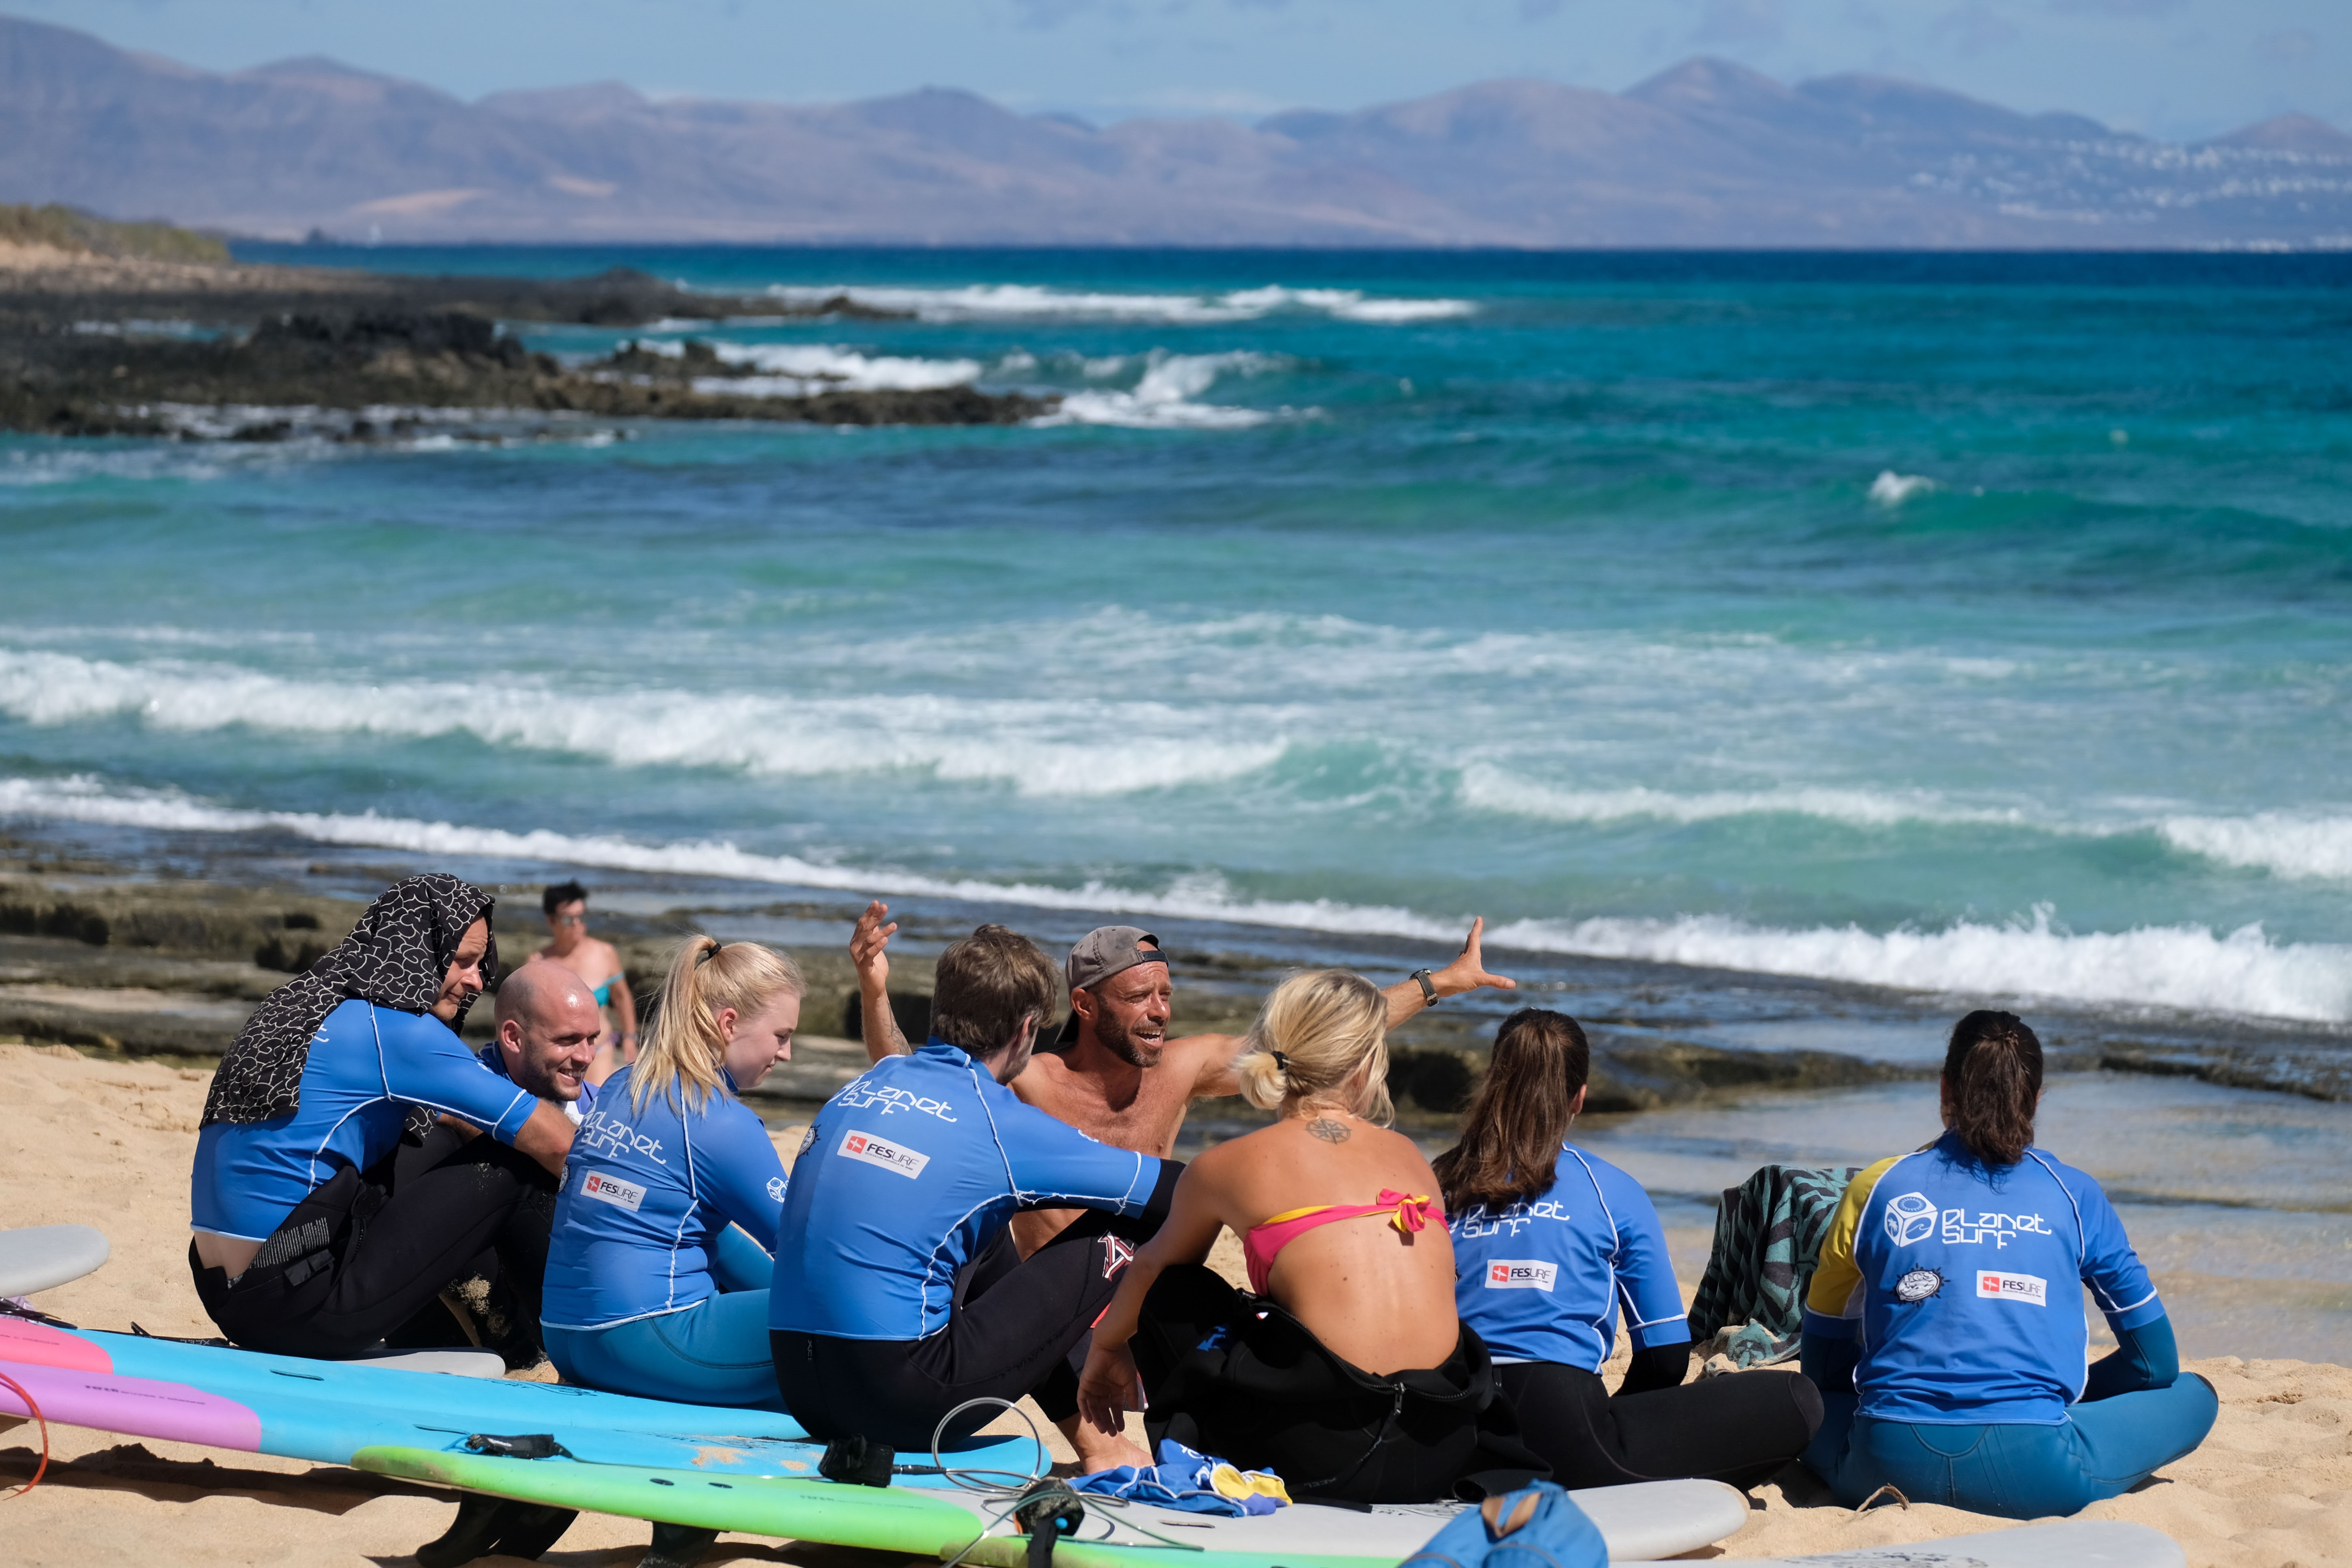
[1973,626]
[1777,651]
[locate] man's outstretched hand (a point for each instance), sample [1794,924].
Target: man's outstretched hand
[1469,969]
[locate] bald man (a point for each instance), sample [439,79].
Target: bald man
[549,1030]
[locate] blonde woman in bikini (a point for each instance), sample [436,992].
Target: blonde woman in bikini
[1344,1367]
[598,963]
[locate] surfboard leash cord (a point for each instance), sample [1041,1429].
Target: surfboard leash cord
[33,1406]
[1046,1508]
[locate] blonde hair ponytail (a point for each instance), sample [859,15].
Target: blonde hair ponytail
[1315,1031]
[683,1049]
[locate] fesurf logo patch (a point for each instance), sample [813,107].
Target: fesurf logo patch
[612,1190]
[1521,1274]
[896,1158]
[2031,1288]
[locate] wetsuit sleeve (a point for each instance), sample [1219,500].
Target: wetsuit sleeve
[1833,1300]
[1051,1158]
[738,1172]
[1660,1366]
[2144,1357]
[1646,1291]
[423,1063]
[2119,1281]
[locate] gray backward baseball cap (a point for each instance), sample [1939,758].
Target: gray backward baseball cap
[1107,951]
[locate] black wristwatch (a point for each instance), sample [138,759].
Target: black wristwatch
[1428,991]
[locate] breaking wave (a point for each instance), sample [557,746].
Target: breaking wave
[1036,746]
[2184,968]
[1030,301]
[1164,396]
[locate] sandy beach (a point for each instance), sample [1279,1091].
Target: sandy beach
[109,1143]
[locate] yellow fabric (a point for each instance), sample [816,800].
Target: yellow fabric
[1228,1482]
[1836,1276]
[1396,1220]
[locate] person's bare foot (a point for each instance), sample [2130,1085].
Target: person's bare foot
[1098,1450]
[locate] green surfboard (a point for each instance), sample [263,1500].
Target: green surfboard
[1648,1520]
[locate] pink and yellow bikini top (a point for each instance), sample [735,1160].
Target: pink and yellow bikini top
[1408,1211]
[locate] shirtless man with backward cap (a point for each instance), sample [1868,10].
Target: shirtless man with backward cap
[1115,1075]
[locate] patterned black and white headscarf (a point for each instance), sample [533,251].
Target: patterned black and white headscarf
[395,957]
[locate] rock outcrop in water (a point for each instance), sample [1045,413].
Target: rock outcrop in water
[270,354]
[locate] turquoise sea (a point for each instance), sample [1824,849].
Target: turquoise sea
[1781,649]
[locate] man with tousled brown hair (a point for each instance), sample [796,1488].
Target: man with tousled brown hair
[905,1177]
[1115,1075]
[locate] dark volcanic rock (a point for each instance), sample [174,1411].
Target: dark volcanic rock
[56,380]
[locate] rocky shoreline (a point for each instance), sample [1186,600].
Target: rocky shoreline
[114,346]
[120,963]
[137,961]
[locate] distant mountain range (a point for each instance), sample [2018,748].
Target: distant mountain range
[1708,153]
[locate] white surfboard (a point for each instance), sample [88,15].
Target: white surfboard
[2065,1544]
[1641,1521]
[47,1255]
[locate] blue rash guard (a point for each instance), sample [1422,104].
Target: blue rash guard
[367,1066]
[1541,1279]
[1961,1280]
[907,1174]
[646,1195]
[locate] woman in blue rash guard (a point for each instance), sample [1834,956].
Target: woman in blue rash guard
[1548,1241]
[310,1238]
[1943,1327]
[658,1273]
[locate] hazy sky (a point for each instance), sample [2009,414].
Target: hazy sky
[2177,68]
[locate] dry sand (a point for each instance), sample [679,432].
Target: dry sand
[109,1145]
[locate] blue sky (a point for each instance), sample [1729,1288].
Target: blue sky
[2176,69]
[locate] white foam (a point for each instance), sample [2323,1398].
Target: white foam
[2285,844]
[1891,488]
[1044,746]
[2187,968]
[1162,398]
[1012,301]
[1490,788]
[817,368]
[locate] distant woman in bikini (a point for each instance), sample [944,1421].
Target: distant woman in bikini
[1345,1368]
[598,963]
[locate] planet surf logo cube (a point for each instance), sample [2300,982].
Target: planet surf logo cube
[895,1158]
[1910,1218]
[1521,1274]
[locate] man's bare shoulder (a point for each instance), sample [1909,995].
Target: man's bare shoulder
[1046,1079]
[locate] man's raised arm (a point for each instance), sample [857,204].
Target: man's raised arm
[870,953]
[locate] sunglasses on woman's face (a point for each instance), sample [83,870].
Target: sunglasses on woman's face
[568,920]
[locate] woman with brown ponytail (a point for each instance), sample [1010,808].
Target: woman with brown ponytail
[1344,1369]
[1942,1329]
[1548,1241]
[658,1273]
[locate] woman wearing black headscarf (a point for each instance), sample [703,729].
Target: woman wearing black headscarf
[306,1243]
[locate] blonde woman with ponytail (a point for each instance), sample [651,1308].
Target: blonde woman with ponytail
[658,1268]
[1344,1368]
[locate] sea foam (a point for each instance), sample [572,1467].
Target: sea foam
[2184,968]
[1489,788]
[1164,396]
[1891,488]
[1044,747]
[1032,301]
